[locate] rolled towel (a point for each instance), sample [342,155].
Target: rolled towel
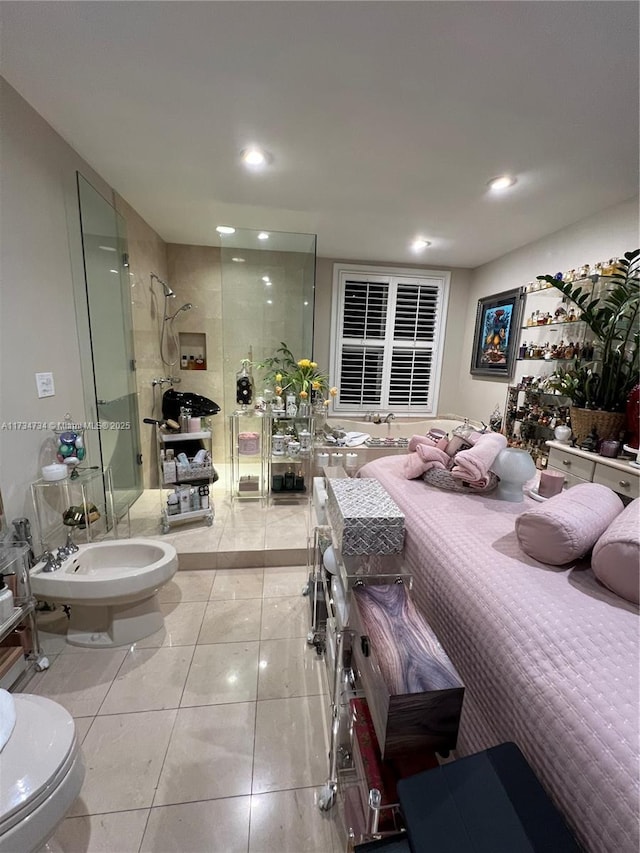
[424,459]
[7,717]
[416,440]
[473,465]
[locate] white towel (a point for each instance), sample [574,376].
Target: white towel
[355,439]
[7,716]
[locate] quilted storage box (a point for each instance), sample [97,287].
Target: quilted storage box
[365,520]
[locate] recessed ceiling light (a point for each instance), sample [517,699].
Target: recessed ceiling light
[107,248]
[269,301]
[263,235]
[225,229]
[305,303]
[115,271]
[419,244]
[502,182]
[254,156]
[238,260]
[266,278]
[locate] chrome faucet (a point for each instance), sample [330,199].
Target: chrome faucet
[66,550]
[389,418]
[51,562]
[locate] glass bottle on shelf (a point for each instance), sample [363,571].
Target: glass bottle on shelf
[244,385]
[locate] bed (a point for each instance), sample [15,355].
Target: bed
[548,656]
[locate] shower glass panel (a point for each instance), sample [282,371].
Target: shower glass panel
[106,269]
[268,288]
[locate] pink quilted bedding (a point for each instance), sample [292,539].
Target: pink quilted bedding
[548,656]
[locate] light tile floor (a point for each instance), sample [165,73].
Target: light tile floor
[244,533]
[212,735]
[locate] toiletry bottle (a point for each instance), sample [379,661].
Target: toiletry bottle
[184,362]
[203,492]
[185,500]
[6,601]
[199,362]
[192,362]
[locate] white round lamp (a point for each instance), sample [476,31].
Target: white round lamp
[514,467]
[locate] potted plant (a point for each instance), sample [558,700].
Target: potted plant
[301,378]
[599,388]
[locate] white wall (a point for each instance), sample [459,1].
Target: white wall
[39,235]
[608,234]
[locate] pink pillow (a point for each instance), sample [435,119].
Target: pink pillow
[566,526]
[616,554]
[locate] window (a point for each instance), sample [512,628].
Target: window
[387,338]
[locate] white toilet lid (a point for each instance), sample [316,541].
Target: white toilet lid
[41,742]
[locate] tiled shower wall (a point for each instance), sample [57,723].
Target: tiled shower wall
[195,275]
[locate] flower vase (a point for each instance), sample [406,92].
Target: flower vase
[304,409]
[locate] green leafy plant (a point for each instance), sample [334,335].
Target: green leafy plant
[301,377]
[613,317]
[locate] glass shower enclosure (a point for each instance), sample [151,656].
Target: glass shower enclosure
[268,287]
[110,328]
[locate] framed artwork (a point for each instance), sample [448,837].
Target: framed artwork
[498,320]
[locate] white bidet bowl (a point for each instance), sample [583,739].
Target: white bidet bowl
[111,588]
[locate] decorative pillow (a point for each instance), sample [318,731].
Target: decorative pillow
[567,525]
[616,554]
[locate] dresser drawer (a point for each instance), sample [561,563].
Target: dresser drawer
[623,482]
[569,479]
[413,691]
[571,464]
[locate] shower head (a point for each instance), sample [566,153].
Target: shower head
[165,287]
[186,307]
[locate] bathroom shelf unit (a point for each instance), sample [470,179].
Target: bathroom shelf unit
[290,467]
[53,502]
[249,437]
[19,643]
[530,418]
[194,478]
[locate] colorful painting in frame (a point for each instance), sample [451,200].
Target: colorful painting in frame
[498,320]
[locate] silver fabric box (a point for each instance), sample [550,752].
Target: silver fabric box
[364,518]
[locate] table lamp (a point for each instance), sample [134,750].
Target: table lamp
[514,467]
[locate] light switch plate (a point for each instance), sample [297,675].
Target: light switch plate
[44,383]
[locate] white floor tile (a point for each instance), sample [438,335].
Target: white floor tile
[222,673]
[291,744]
[210,755]
[291,822]
[181,625]
[123,755]
[149,680]
[235,621]
[103,833]
[214,826]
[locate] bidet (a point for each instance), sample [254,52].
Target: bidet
[111,588]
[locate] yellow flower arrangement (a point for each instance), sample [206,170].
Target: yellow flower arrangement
[300,377]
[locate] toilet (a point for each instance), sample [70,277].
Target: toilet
[41,773]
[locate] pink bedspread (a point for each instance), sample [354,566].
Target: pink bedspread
[548,656]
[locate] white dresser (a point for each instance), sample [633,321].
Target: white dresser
[580,466]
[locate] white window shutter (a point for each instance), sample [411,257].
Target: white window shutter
[387,342]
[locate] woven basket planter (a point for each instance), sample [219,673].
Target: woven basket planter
[607,424]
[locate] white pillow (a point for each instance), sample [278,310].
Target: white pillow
[616,554]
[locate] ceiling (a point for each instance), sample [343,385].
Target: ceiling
[385,120]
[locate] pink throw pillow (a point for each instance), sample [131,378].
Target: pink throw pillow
[568,525]
[616,554]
